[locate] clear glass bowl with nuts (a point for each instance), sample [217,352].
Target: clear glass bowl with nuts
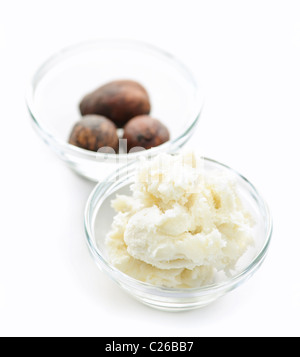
[75,92]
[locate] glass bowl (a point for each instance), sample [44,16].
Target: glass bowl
[58,86]
[98,219]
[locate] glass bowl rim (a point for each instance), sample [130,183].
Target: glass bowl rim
[74,49]
[121,277]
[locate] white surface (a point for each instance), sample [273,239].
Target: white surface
[247,54]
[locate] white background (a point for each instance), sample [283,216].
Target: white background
[247,56]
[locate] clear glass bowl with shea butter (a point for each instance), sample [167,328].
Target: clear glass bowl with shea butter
[99,217]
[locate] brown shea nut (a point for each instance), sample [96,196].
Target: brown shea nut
[93,132]
[145,131]
[118,100]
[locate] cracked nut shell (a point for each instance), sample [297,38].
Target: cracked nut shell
[93,132]
[146,132]
[118,100]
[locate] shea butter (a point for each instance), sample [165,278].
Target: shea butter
[181,225]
